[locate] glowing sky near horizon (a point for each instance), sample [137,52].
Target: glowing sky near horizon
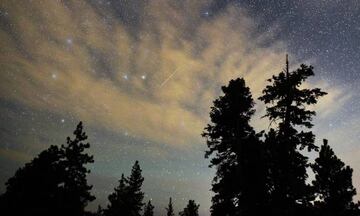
[142,75]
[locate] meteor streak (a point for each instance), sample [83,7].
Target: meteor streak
[167,79]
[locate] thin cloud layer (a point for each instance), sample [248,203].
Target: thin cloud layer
[150,68]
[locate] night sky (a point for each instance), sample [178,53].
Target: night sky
[142,75]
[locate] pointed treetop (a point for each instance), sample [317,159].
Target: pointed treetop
[333,183]
[287,66]
[325,141]
[149,209]
[170,209]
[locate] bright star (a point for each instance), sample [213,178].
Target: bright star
[69,41]
[143,77]
[126,77]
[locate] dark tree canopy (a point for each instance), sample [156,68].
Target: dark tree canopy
[257,173]
[37,187]
[135,182]
[149,209]
[235,151]
[191,209]
[77,191]
[170,209]
[118,203]
[333,184]
[288,104]
[127,198]
[53,183]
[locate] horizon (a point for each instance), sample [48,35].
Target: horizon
[142,77]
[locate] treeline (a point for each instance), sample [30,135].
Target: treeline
[54,183]
[257,172]
[267,173]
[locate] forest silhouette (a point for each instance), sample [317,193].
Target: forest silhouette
[257,172]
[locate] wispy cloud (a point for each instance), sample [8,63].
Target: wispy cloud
[105,63]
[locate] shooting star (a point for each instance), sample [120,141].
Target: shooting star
[167,79]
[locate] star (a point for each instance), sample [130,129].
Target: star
[143,77]
[54,76]
[126,77]
[69,41]
[62,120]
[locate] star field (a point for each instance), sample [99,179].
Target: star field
[142,75]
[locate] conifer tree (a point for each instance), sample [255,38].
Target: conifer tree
[191,209]
[127,198]
[77,191]
[35,189]
[149,209]
[333,185]
[53,183]
[118,200]
[288,104]
[170,209]
[236,152]
[135,182]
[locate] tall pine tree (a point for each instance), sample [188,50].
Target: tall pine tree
[36,188]
[136,195]
[118,200]
[127,198]
[333,185]
[288,104]
[77,191]
[53,183]
[149,209]
[170,209]
[191,209]
[236,152]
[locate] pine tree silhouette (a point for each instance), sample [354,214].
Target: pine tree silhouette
[170,209]
[149,209]
[36,188]
[237,154]
[287,103]
[333,185]
[191,209]
[118,200]
[136,195]
[53,183]
[127,198]
[77,191]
